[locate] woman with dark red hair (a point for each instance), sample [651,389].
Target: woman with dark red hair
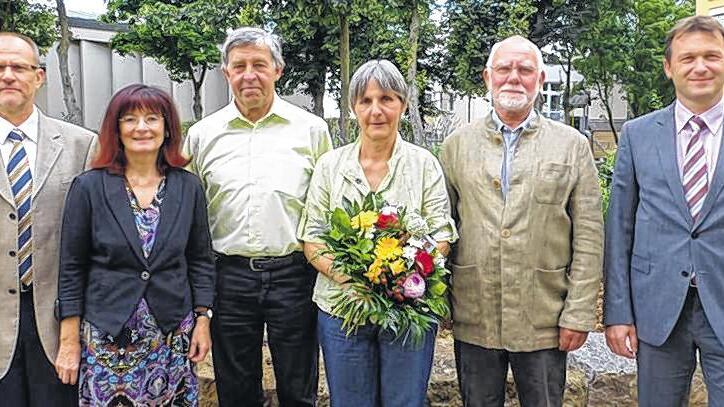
[136,281]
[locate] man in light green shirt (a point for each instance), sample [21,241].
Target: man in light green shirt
[255,158]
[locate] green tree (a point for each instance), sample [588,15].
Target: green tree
[310,37]
[35,20]
[604,51]
[625,45]
[182,35]
[645,83]
[560,24]
[320,59]
[470,28]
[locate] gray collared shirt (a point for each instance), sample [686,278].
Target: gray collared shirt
[510,136]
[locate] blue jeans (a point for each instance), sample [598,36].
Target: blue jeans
[370,369]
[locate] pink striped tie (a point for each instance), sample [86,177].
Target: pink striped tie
[695,181]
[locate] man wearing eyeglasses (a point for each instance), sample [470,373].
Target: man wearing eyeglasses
[527,267]
[39,156]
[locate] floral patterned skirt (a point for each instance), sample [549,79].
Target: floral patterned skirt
[140,367]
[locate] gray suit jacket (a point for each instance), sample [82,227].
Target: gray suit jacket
[652,243]
[64,150]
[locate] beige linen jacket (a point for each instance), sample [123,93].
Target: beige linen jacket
[532,263]
[64,150]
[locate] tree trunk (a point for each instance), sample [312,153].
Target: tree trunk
[567,91]
[75,115]
[603,94]
[318,100]
[344,77]
[198,107]
[470,102]
[418,131]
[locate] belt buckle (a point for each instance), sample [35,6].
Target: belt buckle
[25,289]
[252,266]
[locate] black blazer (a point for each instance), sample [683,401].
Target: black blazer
[103,273]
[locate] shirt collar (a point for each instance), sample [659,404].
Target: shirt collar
[500,125]
[29,127]
[279,108]
[712,118]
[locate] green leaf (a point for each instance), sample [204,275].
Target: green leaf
[438,288]
[340,219]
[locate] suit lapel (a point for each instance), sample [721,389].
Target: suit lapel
[168,213]
[717,182]
[50,144]
[669,161]
[5,190]
[117,199]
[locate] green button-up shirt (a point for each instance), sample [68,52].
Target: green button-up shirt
[414,179]
[256,175]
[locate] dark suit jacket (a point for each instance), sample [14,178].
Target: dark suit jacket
[103,273]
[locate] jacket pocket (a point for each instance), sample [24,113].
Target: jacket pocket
[640,264]
[466,293]
[546,300]
[551,183]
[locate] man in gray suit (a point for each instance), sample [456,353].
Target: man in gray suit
[664,260]
[39,156]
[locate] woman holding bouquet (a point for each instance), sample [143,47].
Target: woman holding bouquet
[371,366]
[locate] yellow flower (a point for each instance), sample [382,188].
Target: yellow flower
[364,220]
[388,248]
[397,266]
[374,271]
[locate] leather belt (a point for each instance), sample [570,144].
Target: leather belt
[267,263]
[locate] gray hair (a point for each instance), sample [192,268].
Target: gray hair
[534,48]
[257,37]
[382,71]
[28,40]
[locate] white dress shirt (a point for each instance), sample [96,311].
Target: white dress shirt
[30,128]
[711,136]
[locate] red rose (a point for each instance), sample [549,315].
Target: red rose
[386,221]
[424,263]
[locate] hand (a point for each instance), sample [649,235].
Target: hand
[616,339]
[339,278]
[67,362]
[570,340]
[446,324]
[200,340]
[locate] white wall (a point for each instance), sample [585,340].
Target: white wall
[97,72]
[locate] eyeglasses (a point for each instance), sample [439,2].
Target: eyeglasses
[19,69]
[151,120]
[507,69]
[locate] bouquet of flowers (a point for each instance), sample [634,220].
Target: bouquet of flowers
[397,277]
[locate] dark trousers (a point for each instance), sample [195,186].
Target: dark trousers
[664,372]
[540,376]
[281,299]
[31,380]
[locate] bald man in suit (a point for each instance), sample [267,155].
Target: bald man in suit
[39,156]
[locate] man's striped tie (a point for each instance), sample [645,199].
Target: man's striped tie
[21,182]
[695,180]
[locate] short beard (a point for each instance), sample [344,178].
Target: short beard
[515,103]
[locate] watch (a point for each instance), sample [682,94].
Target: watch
[206,313]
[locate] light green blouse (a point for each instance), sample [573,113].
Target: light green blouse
[415,180]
